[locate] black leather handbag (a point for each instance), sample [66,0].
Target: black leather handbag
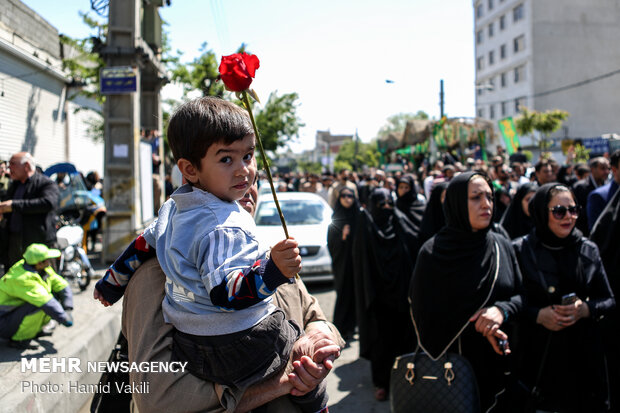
[421,384]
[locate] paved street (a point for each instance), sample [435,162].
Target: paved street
[349,385]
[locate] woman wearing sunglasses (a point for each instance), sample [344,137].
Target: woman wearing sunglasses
[561,360]
[340,236]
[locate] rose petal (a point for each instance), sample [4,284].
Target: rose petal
[237,70]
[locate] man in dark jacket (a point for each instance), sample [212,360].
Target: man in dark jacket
[599,171]
[29,211]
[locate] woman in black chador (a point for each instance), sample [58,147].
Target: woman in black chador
[516,220]
[466,287]
[567,292]
[606,235]
[384,253]
[408,202]
[433,219]
[340,237]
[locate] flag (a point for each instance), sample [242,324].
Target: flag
[482,135]
[509,132]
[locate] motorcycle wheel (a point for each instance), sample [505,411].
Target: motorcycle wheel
[81,280]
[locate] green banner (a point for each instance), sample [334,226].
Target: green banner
[482,138]
[509,132]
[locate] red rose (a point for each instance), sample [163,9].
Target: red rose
[237,70]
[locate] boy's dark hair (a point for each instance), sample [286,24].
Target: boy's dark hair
[199,123]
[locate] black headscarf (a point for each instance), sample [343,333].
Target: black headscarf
[515,221]
[433,219]
[345,216]
[539,212]
[454,272]
[409,204]
[384,252]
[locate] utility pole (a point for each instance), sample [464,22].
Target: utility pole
[128,165]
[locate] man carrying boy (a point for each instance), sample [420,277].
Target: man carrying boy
[218,289]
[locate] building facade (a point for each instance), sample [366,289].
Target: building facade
[549,54]
[37,111]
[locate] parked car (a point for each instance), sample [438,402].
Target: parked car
[307,218]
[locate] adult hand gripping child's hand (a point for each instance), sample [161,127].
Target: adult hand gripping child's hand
[285,255]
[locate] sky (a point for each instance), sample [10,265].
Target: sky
[337,55]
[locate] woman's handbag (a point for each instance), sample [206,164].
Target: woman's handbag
[420,384]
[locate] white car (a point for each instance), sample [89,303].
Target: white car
[307,218]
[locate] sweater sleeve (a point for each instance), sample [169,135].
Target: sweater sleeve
[112,285]
[231,278]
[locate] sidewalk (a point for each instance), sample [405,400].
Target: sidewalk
[91,338]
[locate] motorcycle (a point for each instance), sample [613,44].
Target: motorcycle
[74,264]
[79,212]
[77,204]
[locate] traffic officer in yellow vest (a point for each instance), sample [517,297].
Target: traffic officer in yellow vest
[31,294]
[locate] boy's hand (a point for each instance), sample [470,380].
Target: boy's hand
[98,296]
[285,256]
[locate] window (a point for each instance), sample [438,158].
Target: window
[518,13]
[479,11]
[481,113]
[479,91]
[479,36]
[519,43]
[503,108]
[518,103]
[519,73]
[490,4]
[502,79]
[502,22]
[491,84]
[491,57]
[492,111]
[502,51]
[491,30]
[480,63]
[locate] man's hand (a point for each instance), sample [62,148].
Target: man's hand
[6,206]
[313,358]
[285,255]
[98,296]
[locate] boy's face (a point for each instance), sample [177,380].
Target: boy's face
[227,171]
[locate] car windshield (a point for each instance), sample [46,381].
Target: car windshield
[296,212]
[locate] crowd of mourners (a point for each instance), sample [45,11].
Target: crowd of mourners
[514,265]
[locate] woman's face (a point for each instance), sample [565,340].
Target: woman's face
[561,227]
[479,203]
[346,199]
[525,203]
[403,188]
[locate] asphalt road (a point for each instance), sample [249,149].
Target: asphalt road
[349,385]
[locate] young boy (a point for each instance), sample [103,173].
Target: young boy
[218,289]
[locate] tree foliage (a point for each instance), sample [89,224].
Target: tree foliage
[352,155]
[543,122]
[277,121]
[398,122]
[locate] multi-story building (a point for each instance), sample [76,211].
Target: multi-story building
[549,54]
[38,110]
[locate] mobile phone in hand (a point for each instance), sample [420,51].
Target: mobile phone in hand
[569,299]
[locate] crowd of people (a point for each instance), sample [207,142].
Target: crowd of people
[490,259]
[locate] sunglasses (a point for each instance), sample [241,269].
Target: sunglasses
[347,196]
[559,211]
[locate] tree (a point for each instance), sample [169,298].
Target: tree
[201,74]
[277,121]
[398,122]
[543,122]
[354,154]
